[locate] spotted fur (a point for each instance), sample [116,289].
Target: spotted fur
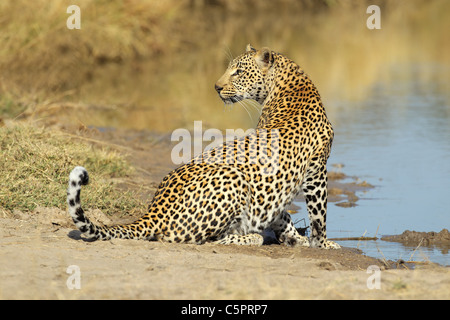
[232,193]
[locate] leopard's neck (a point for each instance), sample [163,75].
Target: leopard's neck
[292,98]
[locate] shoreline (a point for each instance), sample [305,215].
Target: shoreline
[37,248]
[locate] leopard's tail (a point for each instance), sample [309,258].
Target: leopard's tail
[79,177]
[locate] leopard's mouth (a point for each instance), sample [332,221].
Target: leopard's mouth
[232,99]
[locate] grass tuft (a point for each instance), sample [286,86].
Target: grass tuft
[35,164]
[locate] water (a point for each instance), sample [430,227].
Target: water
[398,140]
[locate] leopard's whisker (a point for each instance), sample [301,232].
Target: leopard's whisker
[245,108]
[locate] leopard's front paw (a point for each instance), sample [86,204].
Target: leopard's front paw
[295,241]
[324,244]
[331,245]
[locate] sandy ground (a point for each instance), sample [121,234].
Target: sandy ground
[42,256]
[37,250]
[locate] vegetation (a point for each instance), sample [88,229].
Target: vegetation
[35,163]
[152,64]
[156,62]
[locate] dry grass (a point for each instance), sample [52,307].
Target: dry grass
[34,35]
[157,61]
[35,164]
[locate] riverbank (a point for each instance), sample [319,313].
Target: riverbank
[41,251]
[38,248]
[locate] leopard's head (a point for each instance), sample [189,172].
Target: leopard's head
[245,77]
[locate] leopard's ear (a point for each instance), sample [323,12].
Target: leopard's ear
[249,48]
[264,58]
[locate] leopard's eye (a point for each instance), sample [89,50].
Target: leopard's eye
[237,72]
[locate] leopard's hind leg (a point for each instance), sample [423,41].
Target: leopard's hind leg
[286,233]
[251,239]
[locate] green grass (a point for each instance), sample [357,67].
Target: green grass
[35,164]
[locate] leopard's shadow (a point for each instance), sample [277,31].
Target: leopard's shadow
[76,235]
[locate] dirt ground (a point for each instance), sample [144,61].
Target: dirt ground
[440,239]
[43,256]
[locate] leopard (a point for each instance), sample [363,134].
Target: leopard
[233,193]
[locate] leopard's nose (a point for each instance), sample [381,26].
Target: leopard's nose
[218,88]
